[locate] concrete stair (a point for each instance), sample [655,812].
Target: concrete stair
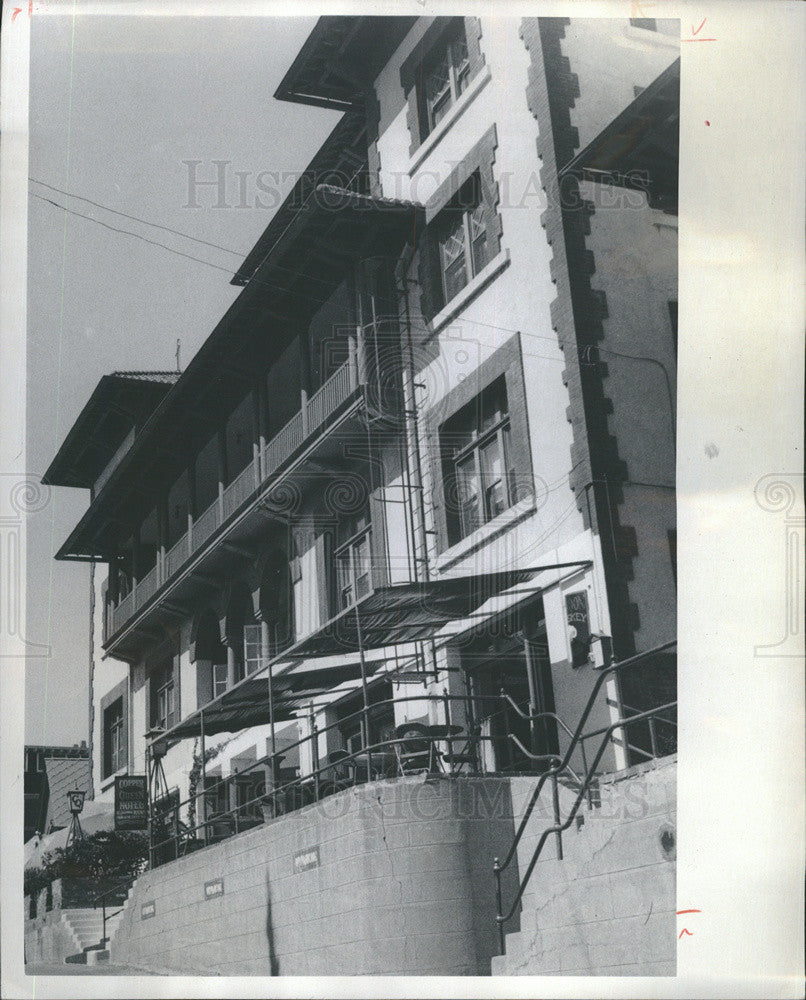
[87,929]
[608,907]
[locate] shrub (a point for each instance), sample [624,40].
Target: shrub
[106,854]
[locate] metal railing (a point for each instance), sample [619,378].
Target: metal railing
[329,397]
[589,772]
[240,489]
[122,612]
[305,422]
[186,825]
[206,524]
[111,897]
[284,443]
[146,588]
[176,556]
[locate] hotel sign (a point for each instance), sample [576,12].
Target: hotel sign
[131,802]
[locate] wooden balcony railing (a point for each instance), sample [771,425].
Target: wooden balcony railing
[313,414]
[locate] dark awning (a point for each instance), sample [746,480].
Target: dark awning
[394,615]
[640,147]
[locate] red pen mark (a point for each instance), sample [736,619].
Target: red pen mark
[695,33]
[685,929]
[17,10]
[707,122]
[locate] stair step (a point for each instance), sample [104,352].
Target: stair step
[79,959]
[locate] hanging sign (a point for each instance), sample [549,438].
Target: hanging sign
[576,609]
[131,802]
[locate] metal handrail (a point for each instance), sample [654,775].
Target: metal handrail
[603,675]
[101,897]
[559,828]
[552,773]
[314,776]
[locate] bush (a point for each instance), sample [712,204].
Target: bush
[106,854]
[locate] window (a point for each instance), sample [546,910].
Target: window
[163,697]
[477,449]
[461,233]
[252,647]
[219,679]
[354,560]
[446,77]
[114,739]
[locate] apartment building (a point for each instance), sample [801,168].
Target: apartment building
[414,495]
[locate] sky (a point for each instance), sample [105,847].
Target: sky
[119,108]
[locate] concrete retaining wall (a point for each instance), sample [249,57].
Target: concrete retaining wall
[48,938]
[388,878]
[609,907]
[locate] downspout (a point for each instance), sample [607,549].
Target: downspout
[91,690]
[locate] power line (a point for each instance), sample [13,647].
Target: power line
[128,232]
[135,218]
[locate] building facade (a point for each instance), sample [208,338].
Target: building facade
[419,480]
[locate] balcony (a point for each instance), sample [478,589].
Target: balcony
[312,419]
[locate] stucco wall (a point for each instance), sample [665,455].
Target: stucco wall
[400,882]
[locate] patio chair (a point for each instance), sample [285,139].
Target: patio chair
[415,750]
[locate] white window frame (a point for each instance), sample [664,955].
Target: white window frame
[458,77]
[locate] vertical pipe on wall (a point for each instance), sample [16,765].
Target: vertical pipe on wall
[203,750]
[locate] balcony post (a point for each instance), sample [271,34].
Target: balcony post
[361,354]
[192,511]
[304,411]
[231,666]
[162,537]
[352,360]
[114,581]
[135,564]
[221,438]
[257,450]
[263,423]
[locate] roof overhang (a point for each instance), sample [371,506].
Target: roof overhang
[340,59]
[639,149]
[118,402]
[391,616]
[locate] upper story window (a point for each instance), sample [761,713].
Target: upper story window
[461,232]
[163,697]
[437,71]
[477,455]
[252,647]
[114,746]
[447,76]
[353,559]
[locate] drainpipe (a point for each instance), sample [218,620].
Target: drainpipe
[91,691]
[412,447]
